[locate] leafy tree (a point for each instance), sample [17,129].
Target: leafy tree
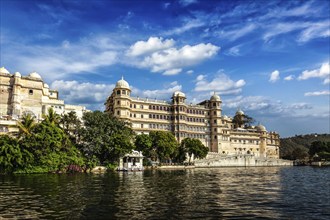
[12,157]
[105,136]
[164,144]
[51,147]
[143,143]
[317,147]
[52,117]
[26,125]
[240,120]
[71,125]
[194,147]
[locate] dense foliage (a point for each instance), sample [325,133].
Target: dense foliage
[162,146]
[303,146]
[63,144]
[104,137]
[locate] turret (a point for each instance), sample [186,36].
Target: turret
[121,98]
[263,140]
[179,109]
[215,121]
[15,100]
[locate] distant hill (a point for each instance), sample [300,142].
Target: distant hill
[298,146]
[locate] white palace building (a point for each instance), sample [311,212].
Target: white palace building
[28,94]
[203,121]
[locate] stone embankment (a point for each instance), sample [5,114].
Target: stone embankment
[220,160]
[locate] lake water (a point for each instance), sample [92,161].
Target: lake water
[218,193]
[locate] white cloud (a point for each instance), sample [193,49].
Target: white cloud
[160,94]
[318,93]
[188,25]
[317,30]
[172,60]
[323,72]
[59,61]
[146,47]
[187,2]
[89,94]
[172,71]
[274,76]
[190,72]
[221,83]
[238,32]
[234,51]
[289,78]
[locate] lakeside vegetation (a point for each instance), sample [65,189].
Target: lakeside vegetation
[306,147]
[65,144]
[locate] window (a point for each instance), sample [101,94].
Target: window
[214,113]
[30,92]
[118,102]
[215,121]
[141,125]
[141,106]
[214,104]
[123,92]
[118,112]
[141,116]
[118,92]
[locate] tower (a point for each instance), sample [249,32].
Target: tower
[215,122]
[15,99]
[121,100]
[263,140]
[179,113]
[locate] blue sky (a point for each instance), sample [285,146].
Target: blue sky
[269,58]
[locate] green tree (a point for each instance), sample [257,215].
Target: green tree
[12,157]
[52,117]
[26,125]
[143,143]
[164,145]
[240,120]
[71,125]
[194,147]
[105,136]
[51,147]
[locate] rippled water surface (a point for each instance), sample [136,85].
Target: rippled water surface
[222,193]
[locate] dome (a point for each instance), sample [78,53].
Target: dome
[215,97]
[46,86]
[239,112]
[4,70]
[122,84]
[34,75]
[261,128]
[179,93]
[17,74]
[225,117]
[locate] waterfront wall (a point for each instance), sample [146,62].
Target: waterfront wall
[218,160]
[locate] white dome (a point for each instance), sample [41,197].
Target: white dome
[122,84]
[17,74]
[239,112]
[178,93]
[46,86]
[4,70]
[225,117]
[260,127]
[35,75]
[215,97]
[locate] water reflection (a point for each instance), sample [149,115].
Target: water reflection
[224,193]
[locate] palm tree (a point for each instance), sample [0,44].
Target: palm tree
[26,125]
[52,117]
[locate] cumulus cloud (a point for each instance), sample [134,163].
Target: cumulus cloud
[89,94]
[164,93]
[318,93]
[274,76]
[221,83]
[289,78]
[323,72]
[151,45]
[172,61]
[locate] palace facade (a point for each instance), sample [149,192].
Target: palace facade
[203,121]
[20,95]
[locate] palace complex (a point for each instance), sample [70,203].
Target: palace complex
[203,121]
[20,95]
